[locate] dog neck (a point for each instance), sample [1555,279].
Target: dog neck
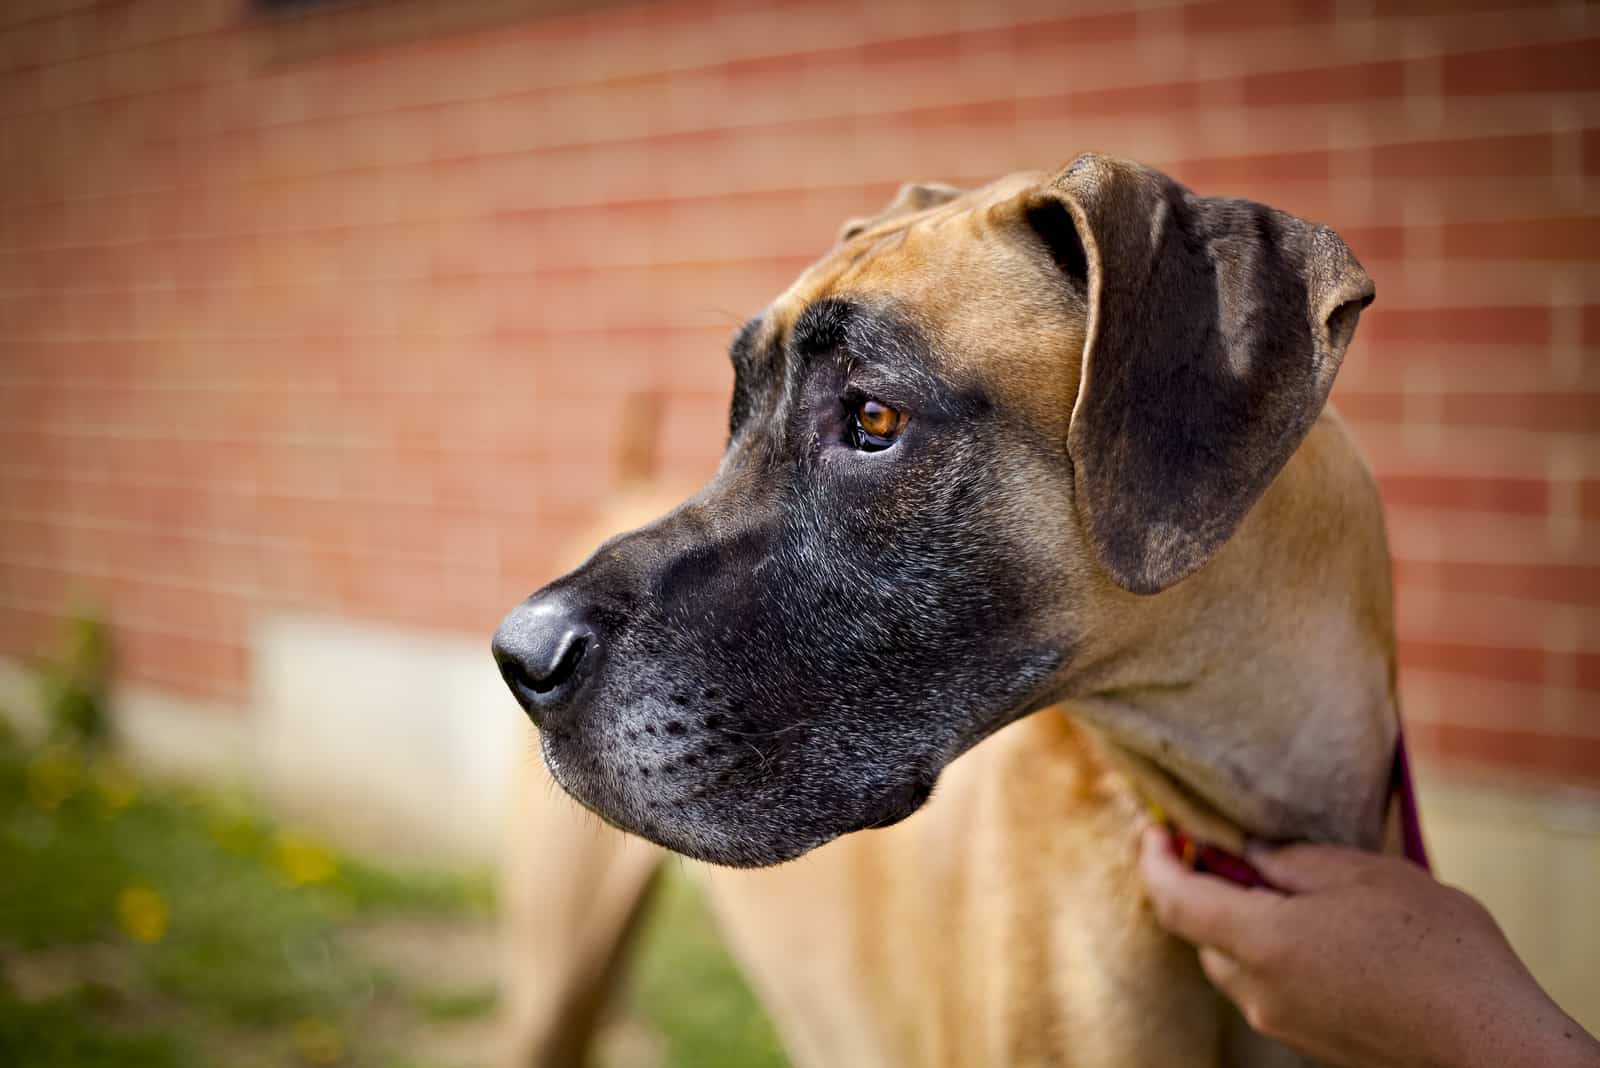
[1256,698]
[1301,762]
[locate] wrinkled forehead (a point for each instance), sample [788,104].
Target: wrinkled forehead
[904,258]
[983,302]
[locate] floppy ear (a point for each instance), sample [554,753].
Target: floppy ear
[913,197]
[1214,330]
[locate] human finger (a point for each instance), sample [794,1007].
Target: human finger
[1203,909]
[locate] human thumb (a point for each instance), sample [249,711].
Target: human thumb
[1298,869]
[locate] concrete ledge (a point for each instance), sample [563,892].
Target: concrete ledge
[399,735]
[19,697]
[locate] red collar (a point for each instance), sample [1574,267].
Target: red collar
[1214,860]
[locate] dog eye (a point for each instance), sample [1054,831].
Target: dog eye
[875,426]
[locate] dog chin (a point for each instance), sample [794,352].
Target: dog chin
[692,828]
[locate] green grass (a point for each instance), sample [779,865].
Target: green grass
[150,927]
[58,1033]
[457,1004]
[223,931]
[684,984]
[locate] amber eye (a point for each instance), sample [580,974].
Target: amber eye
[877,426]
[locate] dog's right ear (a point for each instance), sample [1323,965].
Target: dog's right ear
[912,198]
[1214,331]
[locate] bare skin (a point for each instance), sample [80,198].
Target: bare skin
[1363,960]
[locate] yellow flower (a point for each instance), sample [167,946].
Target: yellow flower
[302,859]
[54,776]
[142,914]
[116,784]
[318,1041]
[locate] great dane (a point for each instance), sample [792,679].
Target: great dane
[1031,514]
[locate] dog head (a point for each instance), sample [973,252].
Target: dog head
[964,450]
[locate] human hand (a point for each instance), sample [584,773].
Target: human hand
[1363,960]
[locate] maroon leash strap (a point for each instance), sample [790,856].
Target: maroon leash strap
[1214,860]
[1404,790]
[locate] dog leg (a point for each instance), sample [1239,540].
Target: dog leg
[572,893]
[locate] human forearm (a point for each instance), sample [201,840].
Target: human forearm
[1365,961]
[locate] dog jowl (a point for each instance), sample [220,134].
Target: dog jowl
[962,448]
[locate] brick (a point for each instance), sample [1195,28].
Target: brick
[1467,325]
[1414,8]
[186,663]
[1586,675]
[1516,665]
[310,576]
[1245,172]
[1228,16]
[1565,66]
[1578,412]
[1373,407]
[34,583]
[1505,369]
[386,529]
[1493,289]
[1544,412]
[1463,451]
[1375,243]
[1482,537]
[361,332]
[1517,621]
[1165,97]
[1564,239]
[1543,757]
[1357,82]
[1590,317]
[1570,584]
[27,631]
[1589,498]
[1510,156]
[31,537]
[1528,496]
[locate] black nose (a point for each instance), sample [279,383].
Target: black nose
[547,650]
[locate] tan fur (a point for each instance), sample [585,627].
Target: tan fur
[1004,923]
[1012,890]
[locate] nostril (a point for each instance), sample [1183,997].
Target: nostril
[539,668]
[516,675]
[564,668]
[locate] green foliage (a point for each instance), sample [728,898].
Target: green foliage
[369,888]
[74,683]
[242,925]
[458,1004]
[61,1032]
[227,924]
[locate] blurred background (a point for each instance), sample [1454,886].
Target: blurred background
[327,329]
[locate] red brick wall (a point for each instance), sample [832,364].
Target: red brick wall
[294,315]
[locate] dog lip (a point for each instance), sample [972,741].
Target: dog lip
[552,761]
[898,802]
[578,777]
[584,784]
